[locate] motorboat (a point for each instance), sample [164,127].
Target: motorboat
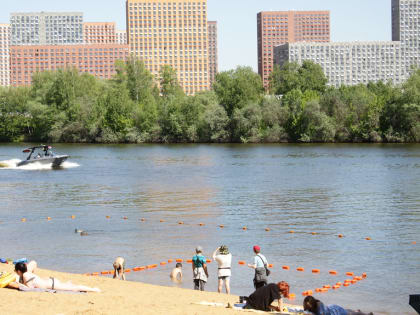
[43,154]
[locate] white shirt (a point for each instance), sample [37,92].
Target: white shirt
[224,261]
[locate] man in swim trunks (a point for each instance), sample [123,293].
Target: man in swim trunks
[176,274]
[119,268]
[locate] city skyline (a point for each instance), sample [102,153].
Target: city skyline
[237,36]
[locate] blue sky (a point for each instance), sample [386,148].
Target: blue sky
[350,20]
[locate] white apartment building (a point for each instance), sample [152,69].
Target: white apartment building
[363,62]
[46,28]
[4,55]
[121,37]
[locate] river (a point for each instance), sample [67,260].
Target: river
[359,191]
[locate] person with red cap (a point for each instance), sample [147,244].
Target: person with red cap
[260,266]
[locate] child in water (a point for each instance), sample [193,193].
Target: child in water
[176,274]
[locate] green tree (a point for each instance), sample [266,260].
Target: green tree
[169,85]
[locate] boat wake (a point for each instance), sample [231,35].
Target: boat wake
[12,165]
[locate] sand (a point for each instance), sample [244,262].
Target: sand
[117,297]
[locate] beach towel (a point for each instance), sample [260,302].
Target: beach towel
[26,289]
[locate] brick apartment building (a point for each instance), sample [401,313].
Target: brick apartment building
[213,53]
[99,33]
[275,28]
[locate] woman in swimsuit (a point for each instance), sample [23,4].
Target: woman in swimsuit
[33,281]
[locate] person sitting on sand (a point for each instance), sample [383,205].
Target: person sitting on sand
[119,268]
[224,260]
[33,281]
[318,308]
[199,268]
[263,297]
[176,274]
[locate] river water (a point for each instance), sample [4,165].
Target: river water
[358,191]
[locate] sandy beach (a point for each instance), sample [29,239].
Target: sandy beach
[117,297]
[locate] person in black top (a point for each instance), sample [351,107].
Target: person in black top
[263,297]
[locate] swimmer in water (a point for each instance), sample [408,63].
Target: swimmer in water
[176,274]
[119,268]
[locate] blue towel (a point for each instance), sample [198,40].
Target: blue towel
[3,261]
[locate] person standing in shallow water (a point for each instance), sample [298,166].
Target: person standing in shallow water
[260,267]
[199,267]
[224,260]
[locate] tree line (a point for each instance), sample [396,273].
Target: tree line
[67,106]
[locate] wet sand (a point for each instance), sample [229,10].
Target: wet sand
[117,297]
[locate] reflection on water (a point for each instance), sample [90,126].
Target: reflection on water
[356,190]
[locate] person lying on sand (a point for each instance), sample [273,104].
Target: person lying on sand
[263,297]
[176,274]
[31,267]
[119,268]
[318,308]
[31,280]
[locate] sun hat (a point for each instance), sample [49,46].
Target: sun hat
[224,250]
[257,248]
[199,249]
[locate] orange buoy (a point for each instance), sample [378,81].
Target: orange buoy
[367,238]
[179,260]
[127,270]
[350,274]
[316,271]
[338,283]
[221,226]
[48,219]
[358,278]
[208,261]
[163,263]
[353,281]
[104,272]
[244,228]
[201,224]
[292,296]
[142,268]
[318,290]
[180,223]
[285,267]
[270,265]
[364,275]
[305,293]
[267,229]
[95,273]
[335,287]
[291,231]
[332,272]
[108,217]
[327,286]
[189,261]
[310,292]
[73,217]
[324,290]
[414,242]
[161,221]
[313,233]
[170,261]
[241,262]
[300,269]
[346,284]
[340,235]
[136,269]
[23,220]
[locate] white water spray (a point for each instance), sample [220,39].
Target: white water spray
[12,165]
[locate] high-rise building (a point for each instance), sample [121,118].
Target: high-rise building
[121,37]
[99,32]
[98,59]
[4,55]
[46,28]
[171,32]
[275,28]
[363,62]
[212,50]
